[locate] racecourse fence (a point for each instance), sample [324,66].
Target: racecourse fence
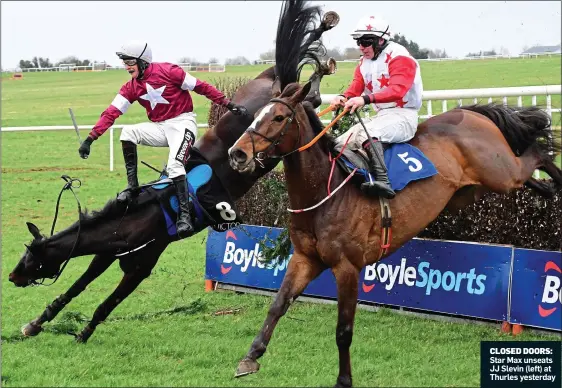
[429,97]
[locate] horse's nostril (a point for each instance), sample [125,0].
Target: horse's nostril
[238,155]
[11,277]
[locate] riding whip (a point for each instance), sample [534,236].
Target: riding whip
[75,125]
[368,137]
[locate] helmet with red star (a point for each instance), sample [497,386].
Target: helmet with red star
[372,25]
[138,51]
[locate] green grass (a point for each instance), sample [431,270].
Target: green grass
[145,342]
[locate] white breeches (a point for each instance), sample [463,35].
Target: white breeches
[392,125]
[178,133]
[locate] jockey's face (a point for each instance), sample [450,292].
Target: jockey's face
[368,52]
[133,70]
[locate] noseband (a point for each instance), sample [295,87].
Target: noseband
[263,155]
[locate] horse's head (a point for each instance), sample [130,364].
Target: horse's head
[275,131]
[34,264]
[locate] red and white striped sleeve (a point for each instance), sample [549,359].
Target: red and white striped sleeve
[119,106]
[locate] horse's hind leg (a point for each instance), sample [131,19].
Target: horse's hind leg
[98,266]
[347,280]
[147,259]
[300,272]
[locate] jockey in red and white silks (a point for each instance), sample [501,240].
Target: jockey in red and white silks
[163,90]
[388,78]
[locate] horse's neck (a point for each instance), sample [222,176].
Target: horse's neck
[307,172]
[62,242]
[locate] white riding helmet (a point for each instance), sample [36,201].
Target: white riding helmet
[136,49]
[372,25]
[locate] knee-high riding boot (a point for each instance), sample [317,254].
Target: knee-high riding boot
[130,156]
[183,224]
[381,185]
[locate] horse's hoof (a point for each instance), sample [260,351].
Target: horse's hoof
[343,382]
[246,367]
[81,339]
[31,329]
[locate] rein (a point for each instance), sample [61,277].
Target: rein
[386,214]
[67,186]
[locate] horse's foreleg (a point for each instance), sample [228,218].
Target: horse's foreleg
[347,280]
[300,272]
[98,266]
[128,284]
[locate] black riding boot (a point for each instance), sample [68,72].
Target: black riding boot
[381,185]
[130,156]
[183,225]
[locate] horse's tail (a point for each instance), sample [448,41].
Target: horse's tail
[296,33]
[525,127]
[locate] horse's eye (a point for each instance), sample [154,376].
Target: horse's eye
[279,118]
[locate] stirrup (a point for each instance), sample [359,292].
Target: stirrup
[377,188]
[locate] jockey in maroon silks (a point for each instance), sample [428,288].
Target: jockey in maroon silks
[388,78]
[163,90]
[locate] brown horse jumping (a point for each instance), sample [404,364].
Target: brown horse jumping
[475,149]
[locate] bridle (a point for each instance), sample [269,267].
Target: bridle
[67,186]
[260,157]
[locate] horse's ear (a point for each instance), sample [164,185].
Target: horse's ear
[302,93]
[34,230]
[276,88]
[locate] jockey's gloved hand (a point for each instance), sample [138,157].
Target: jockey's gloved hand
[238,110]
[84,149]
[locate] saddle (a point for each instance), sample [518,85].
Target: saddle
[404,162]
[209,202]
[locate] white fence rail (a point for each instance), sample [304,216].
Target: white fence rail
[428,96]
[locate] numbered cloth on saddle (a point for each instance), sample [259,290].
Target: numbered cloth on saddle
[405,164]
[212,205]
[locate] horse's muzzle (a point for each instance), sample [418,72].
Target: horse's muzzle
[239,161]
[18,281]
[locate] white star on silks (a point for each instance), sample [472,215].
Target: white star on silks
[154,96]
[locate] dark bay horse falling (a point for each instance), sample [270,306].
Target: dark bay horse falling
[475,149]
[115,229]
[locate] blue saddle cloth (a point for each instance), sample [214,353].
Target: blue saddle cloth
[196,178]
[404,162]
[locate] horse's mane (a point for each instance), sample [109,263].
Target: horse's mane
[521,127]
[296,31]
[110,209]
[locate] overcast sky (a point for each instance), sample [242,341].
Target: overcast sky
[225,29]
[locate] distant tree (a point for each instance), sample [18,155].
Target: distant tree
[482,53]
[437,53]
[351,53]
[504,51]
[237,61]
[268,55]
[190,60]
[213,60]
[74,60]
[42,62]
[24,64]
[335,53]
[413,47]
[35,62]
